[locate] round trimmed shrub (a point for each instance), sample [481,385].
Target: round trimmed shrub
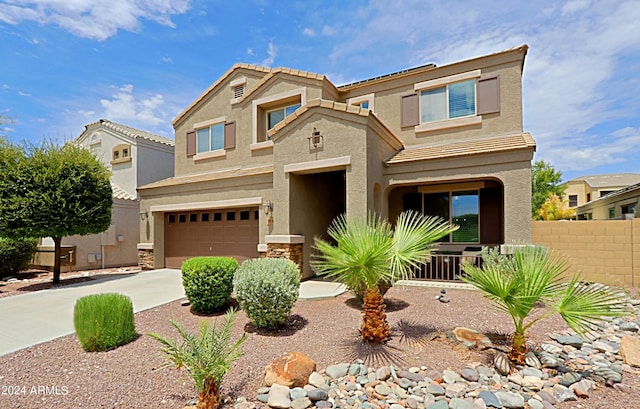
[266,289]
[104,321]
[15,254]
[208,282]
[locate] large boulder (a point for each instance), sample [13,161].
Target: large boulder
[291,370]
[630,350]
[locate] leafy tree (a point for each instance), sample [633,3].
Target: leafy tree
[370,252]
[545,180]
[54,191]
[516,284]
[555,208]
[208,358]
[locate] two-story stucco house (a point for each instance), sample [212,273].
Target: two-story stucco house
[135,157]
[266,158]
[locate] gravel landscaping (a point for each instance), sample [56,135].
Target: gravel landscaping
[59,374]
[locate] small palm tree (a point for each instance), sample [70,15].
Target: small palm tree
[208,358]
[369,252]
[515,284]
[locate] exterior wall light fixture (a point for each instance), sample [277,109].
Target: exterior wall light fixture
[268,207]
[144,214]
[315,139]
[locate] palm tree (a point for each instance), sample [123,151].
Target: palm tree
[369,252]
[516,284]
[208,358]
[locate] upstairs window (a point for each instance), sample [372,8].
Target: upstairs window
[120,154]
[451,101]
[210,138]
[363,101]
[276,116]
[573,200]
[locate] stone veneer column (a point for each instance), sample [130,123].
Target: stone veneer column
[145,256]
[284,246]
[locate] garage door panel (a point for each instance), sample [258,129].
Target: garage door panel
[216,236]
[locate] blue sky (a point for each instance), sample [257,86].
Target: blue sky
[66,63]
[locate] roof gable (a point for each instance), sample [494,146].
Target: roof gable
[125,130]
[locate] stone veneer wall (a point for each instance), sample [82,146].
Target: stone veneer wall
[145,259]
[285,250]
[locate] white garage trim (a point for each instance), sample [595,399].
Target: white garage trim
[216,204]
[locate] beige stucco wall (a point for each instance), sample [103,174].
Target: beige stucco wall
[603,251]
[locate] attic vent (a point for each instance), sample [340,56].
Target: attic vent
[238,91]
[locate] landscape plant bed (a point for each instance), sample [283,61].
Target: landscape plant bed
[59,374]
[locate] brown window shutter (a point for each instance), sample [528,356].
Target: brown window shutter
[191,143]
[488,95]
[230,135]
[410,110]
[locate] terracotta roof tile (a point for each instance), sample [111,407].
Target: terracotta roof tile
[208,177]
[133,132]
[119,193]
[475,147]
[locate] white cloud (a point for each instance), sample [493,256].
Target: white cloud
[309,32]
[250,52]
[272,51]
[124,106]
[328,31]
[95,19]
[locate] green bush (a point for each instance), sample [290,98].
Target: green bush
[208,282]
[104,321]
[266,290]
[15,254]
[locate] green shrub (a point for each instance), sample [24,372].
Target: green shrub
[104,321]
[266,290]
[15,254]
[208,282]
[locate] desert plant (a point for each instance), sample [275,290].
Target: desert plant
[104,321]
[208,282]
[555,208]
[15,254]
[208,358]
[266,289]
[531,275]
[369,252]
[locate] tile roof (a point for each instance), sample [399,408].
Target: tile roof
[119,193]
[133,132]
[475,147]
[611,179]
[210,176]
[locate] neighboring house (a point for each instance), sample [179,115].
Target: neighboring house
[266,158]
[135,158]
[620,204]
[584,189]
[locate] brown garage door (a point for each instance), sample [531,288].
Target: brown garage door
[228,232]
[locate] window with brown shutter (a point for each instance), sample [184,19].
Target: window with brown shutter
[410,110]
[191,143]
[488,95]
[230,135]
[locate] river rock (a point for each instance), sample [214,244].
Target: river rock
[279,397]
[630,350]
[337,371]
[291,370]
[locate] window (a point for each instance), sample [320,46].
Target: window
[363,101]
[116,155]
[256,214]
[210,138]
[612,212]
[461,208]
[125,153]
[120,154]
[217,216]
[605,192]
[276,116]
[204,217]
[573,200]
[245,215]
[451,101]
[182,218]
[231,216]
[172,218]
[193,217]
[588,197]
[630,209]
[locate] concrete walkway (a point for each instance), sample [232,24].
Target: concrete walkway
[41,316]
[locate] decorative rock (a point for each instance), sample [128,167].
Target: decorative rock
[317,380]
[317,394]
[490,399]
[413,376]
[324,404]
[279,397]
[583,388]
[471,338]
[606,346]
[532,372]
[412,402]
[630,350]
[439,404]
[455,390]
[457,403]
[263,397]
[450,376]
[297,393]
[629,326]
[501,362]
[383,389]
[535,404]
[291,370]
[469,374]
[301,403]
[532,360]
[435,390]
[383,373]
[548,360]
[532,383]
[608,374]
[510,400]
[405,383]
[337,371]
[545,396]
[570,378]
[396,406]
[551,348]
[572,340]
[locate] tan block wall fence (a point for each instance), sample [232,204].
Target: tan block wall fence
[606,251]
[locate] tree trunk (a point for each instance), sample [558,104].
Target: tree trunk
[56,259]
[209,396]
[375,328]
[518,353]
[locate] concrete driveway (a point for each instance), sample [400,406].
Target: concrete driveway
[40,316]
